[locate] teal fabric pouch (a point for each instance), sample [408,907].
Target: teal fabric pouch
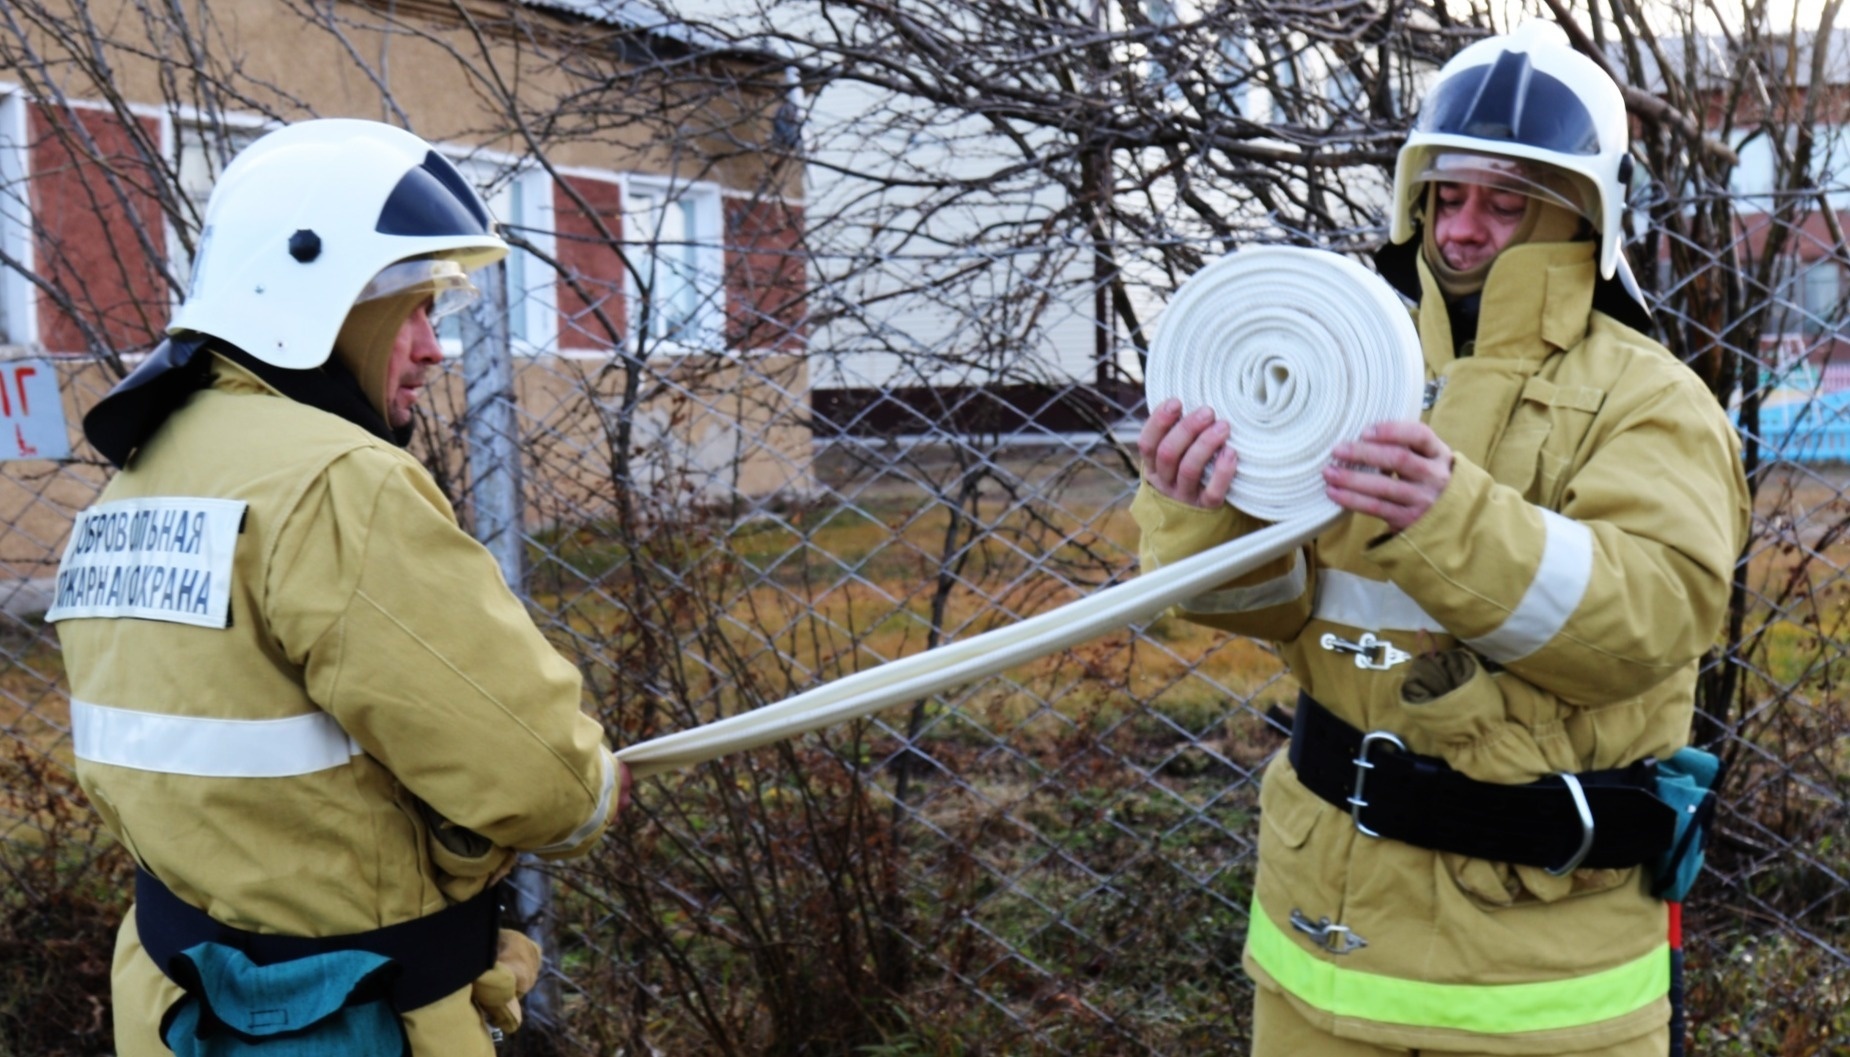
[333,1003]
[1686,781]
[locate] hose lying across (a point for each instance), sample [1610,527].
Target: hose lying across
[1299,349]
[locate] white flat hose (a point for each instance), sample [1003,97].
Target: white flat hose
[1298,349]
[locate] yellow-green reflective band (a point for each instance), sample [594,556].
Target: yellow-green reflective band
[1490,1009]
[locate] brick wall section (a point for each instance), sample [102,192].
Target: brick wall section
[87,211]
[765,278]
[591,259]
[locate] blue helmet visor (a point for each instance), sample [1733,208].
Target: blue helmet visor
[1510,101]
[433,199]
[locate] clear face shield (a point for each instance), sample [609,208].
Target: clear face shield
[1510,174]
[446,282]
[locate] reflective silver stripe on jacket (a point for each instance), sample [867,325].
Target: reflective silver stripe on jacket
[598,813]
[1560,583]
[1372,605]
[1273,592]
[209,748]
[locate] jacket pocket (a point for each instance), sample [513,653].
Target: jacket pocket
[1518,458]
[1495,885]
[465,860]
[1288,811]
[1545,431]
[1458,711]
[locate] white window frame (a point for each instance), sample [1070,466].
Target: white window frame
[523,199]
[533,285]
[706,334]
[175,127]
[1820,295]
[19,303]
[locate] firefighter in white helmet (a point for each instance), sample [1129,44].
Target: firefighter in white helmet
[301,696]
[1504,637]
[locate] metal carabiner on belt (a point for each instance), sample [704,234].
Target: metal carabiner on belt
[1586,825]
[1362,767]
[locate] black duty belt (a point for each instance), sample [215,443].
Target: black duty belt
[437,955]
[1598,819]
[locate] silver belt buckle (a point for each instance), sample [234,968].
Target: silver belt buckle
[1362,767]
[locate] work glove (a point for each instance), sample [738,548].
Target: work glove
[497,992]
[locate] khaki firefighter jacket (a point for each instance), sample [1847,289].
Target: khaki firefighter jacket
[314,668]
[1585,547]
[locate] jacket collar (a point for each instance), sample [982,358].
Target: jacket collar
[1536,299]
[138,405]
[330,387]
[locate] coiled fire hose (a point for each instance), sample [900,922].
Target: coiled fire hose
[1297,349]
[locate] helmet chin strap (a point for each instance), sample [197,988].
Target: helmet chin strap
[364,344]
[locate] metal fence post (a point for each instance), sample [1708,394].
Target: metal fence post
[492,426]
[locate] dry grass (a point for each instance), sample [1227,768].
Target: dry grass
[1132,757]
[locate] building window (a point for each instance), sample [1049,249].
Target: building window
[533,311]
[1758,182]
[1161,13]
[1751,181]
[18,305]
[1808,298]
[1822,298]
[204,152]
[520,200]
[672,238]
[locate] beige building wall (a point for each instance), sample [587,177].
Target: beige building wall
[490,76]
[484,72]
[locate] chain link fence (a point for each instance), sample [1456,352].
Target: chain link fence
[1053,861]
[1059,860]
[908,441]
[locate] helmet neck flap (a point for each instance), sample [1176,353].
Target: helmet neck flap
[366,342]
[123,421]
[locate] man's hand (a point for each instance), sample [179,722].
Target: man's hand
[1396,472]
[1177,450]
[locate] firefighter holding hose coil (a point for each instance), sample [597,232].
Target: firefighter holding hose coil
[1487,804]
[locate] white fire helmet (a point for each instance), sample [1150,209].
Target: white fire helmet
[1532,98]
[309,220]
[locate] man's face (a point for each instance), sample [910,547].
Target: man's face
[1473,223]
[414,352]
